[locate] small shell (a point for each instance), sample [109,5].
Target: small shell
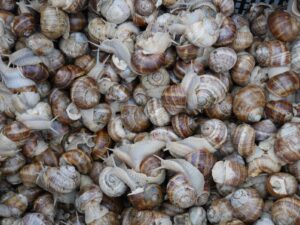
[221,110]
[37,73]
[180,192]
[203,160]
[29,173]
[102,143]
[66,75]
[174,99]
[227,32]
[244,140]
[16,131]
[134,118]
[85,93]
[219,211]
[77,158]
[187,52]
[247,204]
[215,131]
[249,103]
[44,204]
[243,39]
[183,125]
[23,25]
[157,79]
[295,63]
[241,71]
[279,111]
[117,131]
[222,59]
[39,44]
[264,129]
[140,95]
[157,114]
[284,84]
[85,62]
[76,45]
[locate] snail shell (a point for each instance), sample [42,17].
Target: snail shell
[13,205]
[183,125]
[243,139]
[222,59]
[221,110]
[249,103]
[247,204]
[48,158]
[44,204]
[72,6]
[23,25]
[203,160]
[149,197]
[37,73]
[34,146]
[272,53]
[241,71]
[279,111]
[187,52]
[220,210]
[283,26]
[66,75]
[54,22]
[243,39]
[77,22]
[215,131]
[7,4]
[64,179]
[134,119]
[102,142]
[264,129]
[294,169]
[16,131]
[29,173]
[147,64]
[117,131]
[174,99]
[229,173]
[157,114]
[295,55]
[283,84]
[286,211]
[281,185]
[180,192]
[116,11]
[54,60]
[227,32]
[85,93]
[39,44]
[85,62]
[76,45]
[77,158]
[225,6]
[287,146]
[157,79]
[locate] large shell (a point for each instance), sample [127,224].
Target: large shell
[287,144]
[222,59]
[183,125]
[180,192]
[272,53]
[64,179]
[249,103]
[247,204]
[286,211]
[243,39]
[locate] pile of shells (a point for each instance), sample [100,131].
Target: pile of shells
[149,112]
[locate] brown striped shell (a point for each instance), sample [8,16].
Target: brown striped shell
[174,99]
[157,114]
[222,59]
[286,211]
[29,173]
[241,71]
[102,142]
[264,129]
[23,25]
[279,111]
[183,125]
[243,139]
[229,173]
[249,103]
[66,75]
[287,144]
[180,192]
[187,52]
[134,118]
[243,39]
[221,110]
[77,158]
[227,32]
[63,179]
[203,160]
[16,131]
[214,131]
[284,84]
[247,204]
[85,93]
[272,53]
